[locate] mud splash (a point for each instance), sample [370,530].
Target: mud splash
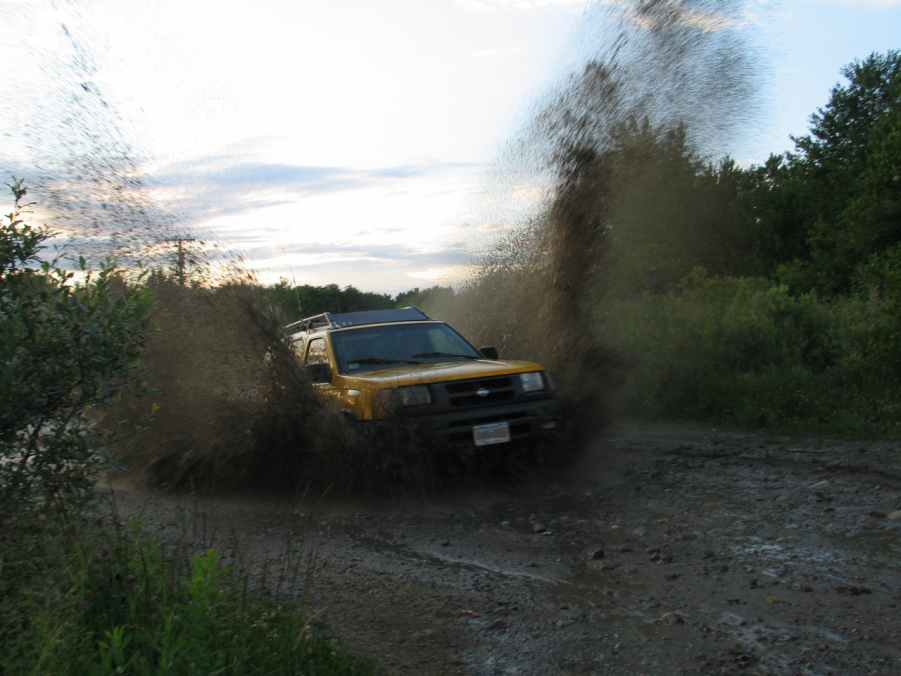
[668,74]
[83,160]
[199,424]
[671,80]
[232,408]
[232,405]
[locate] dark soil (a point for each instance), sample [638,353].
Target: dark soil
[666,550]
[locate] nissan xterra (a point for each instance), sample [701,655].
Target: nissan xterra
[382,363]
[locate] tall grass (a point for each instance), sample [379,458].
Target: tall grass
[78,598]
[744,352]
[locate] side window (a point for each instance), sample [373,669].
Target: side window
[297,347]
[316,353]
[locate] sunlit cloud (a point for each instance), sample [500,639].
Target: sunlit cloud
[383,270]
[488,5]
[368,227]
[487,53]
[492,227]
[530,192]
[446,273]
[217,187]
[869,4]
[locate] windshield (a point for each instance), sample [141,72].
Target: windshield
[378,347]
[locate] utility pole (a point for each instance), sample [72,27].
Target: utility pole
[296,293]
[180,260]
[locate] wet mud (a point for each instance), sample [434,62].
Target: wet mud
[664,550]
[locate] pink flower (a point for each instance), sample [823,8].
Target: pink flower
[129,578]
[98,557]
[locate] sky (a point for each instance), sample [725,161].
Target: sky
[348,141]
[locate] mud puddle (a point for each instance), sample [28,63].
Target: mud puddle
[703,552]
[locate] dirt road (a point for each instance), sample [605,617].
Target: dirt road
[666,550]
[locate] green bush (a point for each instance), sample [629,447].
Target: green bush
[67,345]
[745,352]
[78,599]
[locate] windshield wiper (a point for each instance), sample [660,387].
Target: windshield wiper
[443,354]
[379,360]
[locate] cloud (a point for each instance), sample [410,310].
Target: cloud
[869,4]
[492,227]
[529,192]
[370,227]
[440,275]
[225,185]
[489,5]
[494,51]
[380,269]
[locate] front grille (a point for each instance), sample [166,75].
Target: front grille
[477,400]
[463,394]
[472,385]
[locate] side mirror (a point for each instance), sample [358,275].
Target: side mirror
[489,352]
[319,373]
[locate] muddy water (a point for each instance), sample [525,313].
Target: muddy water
[703,553]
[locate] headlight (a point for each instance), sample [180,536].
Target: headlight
[414,395]
[531,382]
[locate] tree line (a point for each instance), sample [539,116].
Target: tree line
[824,218]
[306,300]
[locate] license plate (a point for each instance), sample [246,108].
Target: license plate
[495,433]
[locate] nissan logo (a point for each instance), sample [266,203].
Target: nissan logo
[483,392]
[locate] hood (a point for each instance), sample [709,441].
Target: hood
[414,374]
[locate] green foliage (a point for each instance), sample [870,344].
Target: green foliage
[429,300]
[798,328]
[770,203]
[748,353]
[66,346]
[843,184]
[306,300]
[670,212]
[75,599]
[882,273]
[813,218]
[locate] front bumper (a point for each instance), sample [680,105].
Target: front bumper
[529,422]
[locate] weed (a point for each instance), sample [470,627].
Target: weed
[83,599]
[747,353]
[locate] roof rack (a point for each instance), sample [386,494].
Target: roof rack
[340,321]
[314,322]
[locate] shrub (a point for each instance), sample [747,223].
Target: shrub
[78,598]
[67,345]
[748,353]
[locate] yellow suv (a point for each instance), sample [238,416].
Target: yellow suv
[402,362]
